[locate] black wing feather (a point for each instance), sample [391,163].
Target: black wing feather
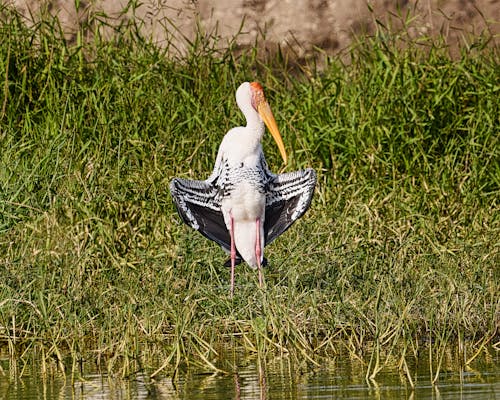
[197,205]
[287,199]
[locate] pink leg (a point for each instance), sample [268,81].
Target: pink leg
[258,250]
[233,254]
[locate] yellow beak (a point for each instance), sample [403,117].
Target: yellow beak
[267,116]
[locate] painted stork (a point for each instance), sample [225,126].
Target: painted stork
[242,205]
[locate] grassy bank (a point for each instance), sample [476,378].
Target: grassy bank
[398,255]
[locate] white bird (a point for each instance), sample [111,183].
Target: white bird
[242,205]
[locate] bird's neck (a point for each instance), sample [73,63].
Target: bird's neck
[255,125]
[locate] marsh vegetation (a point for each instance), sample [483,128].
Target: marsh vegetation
[398,256]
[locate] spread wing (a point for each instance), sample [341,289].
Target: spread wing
[288,196]
[198,205]
[287,199]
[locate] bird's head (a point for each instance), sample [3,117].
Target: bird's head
[253,91]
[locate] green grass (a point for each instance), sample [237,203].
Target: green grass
[397,258]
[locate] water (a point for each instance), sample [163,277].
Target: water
[280,379]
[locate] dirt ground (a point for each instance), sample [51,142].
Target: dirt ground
[298,25]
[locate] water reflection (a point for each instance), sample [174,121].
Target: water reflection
[280,379]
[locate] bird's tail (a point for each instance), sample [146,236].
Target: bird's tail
[245,235]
